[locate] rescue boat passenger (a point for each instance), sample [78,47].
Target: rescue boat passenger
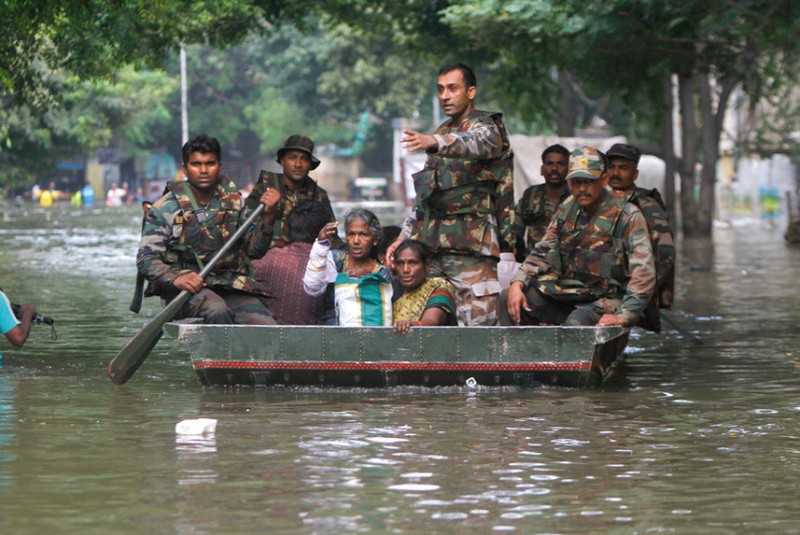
[423,302]
[281,269]
[362,285]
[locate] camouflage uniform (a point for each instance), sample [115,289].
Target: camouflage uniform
[531,217]
[464,210]
[180,236]
[309,190]
[585,266]
[663,244]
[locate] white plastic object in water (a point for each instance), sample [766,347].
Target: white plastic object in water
[196,426]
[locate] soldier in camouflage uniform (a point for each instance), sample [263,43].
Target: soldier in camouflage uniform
[623,160]
[465,198]
[297,159]
[594,264]
[188,225]
[539,202]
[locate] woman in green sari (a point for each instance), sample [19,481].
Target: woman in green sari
[423,302]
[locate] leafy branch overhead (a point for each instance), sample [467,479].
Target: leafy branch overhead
[273,66]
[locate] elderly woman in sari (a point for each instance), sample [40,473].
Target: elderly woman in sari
[362,285]
[423,302]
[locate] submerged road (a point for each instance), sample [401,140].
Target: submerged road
[700,438]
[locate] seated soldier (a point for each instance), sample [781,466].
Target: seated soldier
[187,226]
[294,184]
[623,170]
[423,302]
[281,269]
[594,265]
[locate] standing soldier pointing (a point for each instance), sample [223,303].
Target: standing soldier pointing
[465,197]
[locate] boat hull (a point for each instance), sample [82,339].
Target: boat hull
[377,357]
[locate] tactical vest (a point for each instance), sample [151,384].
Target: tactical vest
[205,230]
[534,216]
[280,236]
[452,187]
[590,262]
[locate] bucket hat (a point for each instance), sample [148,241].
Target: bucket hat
[301,143]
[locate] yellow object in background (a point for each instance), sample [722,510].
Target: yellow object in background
[46,198]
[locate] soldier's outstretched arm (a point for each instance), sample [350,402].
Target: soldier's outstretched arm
[414,141]
[482,141]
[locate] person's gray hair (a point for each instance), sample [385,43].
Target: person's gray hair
[368,218]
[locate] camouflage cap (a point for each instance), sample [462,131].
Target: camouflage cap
[586,162]
[301,143]
[624,150]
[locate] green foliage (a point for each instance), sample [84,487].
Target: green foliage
[90,115]
[318,83]
[262,69]
[93,38]
[272,116]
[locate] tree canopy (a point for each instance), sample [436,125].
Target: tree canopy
[262,68]
[633,50]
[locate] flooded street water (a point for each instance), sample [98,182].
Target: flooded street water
[699,439]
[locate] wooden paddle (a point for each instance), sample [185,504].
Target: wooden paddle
[138,348]
[680,328]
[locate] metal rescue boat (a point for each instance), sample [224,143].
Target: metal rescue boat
[377,357]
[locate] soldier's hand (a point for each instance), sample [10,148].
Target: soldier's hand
[270,199]
[191,282]
[607,320]
[516,302]
[413,141]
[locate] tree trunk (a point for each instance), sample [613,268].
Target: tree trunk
[709,142]
[686,96]
[668,144]
[697,245]
[565,120]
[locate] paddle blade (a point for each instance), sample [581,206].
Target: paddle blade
[127,361]
[138,348]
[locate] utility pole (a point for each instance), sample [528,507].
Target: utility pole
[184,98]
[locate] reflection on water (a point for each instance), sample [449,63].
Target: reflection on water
[7,416]
[194,455]
[700,438]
